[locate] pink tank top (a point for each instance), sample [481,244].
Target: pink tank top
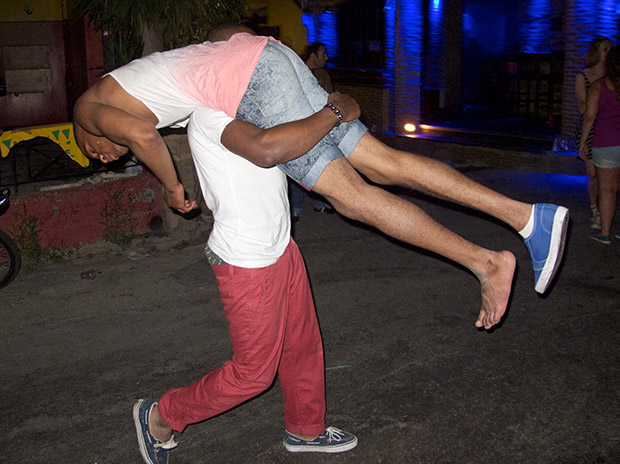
[606,133]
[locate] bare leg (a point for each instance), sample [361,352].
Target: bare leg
[344,188]
[608,190]
[592,182]
[387,166]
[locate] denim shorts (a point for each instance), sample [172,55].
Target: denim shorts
[283,89]
[606,157]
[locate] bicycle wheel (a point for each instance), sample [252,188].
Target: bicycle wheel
[10,259]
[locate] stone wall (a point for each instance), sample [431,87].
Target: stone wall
[71,214]
[374,104]
[182,157]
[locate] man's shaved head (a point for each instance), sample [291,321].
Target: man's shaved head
[226,31]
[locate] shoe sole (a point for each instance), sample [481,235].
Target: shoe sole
[321,449]
[140,433]
[556,250]
[604,242]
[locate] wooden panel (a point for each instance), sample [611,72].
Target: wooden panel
[25,108]
[26,33]
[27,80]
[27,57]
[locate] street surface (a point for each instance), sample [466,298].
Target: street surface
[407,370]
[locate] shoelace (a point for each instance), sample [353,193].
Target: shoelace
[166,445]
[334,434]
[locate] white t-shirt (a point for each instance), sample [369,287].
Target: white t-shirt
[250,204]
[149,80]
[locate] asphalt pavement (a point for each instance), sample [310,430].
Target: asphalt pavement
[407,371]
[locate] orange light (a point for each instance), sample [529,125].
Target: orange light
[409,127]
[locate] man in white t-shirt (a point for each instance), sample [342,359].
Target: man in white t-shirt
[268,304]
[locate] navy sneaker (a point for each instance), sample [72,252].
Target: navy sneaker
[152,450]
[333,440]
[546,242]
[601,238]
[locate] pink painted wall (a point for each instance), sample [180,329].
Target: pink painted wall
[73,216]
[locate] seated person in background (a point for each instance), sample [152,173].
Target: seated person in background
[268,305]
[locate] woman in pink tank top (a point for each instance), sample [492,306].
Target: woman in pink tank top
[597,55]
[603,105]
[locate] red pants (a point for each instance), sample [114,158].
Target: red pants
[273,327]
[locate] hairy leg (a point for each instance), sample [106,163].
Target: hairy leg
[403,220]
[388,166]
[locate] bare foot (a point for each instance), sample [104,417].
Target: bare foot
[496,285]
[158,427]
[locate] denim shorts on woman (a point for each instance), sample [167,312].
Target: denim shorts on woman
[283,89]
[606,157]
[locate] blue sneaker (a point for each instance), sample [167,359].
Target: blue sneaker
[152,450]
[333,440]
[546,242]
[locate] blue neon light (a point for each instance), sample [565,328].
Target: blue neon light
[410,34]
[323,28]
[435,28]
[597,18]
[308,21]
[390,39]
[535,35]
[404,47]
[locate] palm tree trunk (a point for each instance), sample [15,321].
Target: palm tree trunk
[153,37]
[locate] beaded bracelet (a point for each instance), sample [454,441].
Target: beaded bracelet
[336,112]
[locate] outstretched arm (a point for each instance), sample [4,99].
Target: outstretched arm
[97,120]
[264,147]
[279,144]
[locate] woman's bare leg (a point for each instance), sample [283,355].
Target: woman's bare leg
[608,190]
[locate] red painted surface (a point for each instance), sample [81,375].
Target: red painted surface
[94,52]
[73,216]
[84,58]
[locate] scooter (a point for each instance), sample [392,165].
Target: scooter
[10,256]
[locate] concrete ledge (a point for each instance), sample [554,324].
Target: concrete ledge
[69,215]
[487,157]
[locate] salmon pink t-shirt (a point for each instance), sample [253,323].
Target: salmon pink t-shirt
[173,83]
